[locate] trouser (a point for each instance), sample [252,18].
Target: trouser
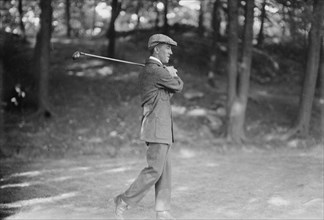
[158,173]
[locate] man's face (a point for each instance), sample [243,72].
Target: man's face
[163,52]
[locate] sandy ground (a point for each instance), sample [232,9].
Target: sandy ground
[281,184]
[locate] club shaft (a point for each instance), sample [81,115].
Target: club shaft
[111,59]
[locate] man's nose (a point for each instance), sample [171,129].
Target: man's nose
[171,52]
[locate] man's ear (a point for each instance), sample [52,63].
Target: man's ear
[156,49]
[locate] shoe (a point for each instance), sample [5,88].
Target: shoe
[164,215]
[119,207]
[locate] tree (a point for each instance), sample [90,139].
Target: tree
[138,9]
[166,24]
[2,135]
[215,24]
[42,56]
[201,28]
[94,17]
[322,88]
[312,67]
[68,18]
[21,23]
[157,18]
[262,18]
[232,59]
[216,21]
[111,33]
[238,86]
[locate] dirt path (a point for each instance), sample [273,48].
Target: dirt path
[206,185]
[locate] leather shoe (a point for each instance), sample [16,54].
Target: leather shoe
[164,215]
[119,207]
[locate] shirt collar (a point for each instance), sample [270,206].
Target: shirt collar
[156,59]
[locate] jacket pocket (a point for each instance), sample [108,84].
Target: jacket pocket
[163,128]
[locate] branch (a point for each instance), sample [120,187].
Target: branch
[275,64]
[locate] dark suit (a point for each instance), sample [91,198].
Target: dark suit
[157,87]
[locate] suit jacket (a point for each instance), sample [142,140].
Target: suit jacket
[156,88]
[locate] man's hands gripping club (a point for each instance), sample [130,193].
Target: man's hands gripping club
[173,71]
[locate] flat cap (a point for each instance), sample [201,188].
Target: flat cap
[160,39]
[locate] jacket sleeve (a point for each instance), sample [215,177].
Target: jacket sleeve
[166,81]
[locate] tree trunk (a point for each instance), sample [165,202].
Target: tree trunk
[81,31]
[232,50]
[21,23]
[42,55]
[94,18]
[68,18]
[312,67]
[2,134]
[293,26]
[201,28]
[262,18]
[238,109]
[245,72]
[216,21]
[138,9]
[166,24]
[157,18]
[284,19]
[111,33]
[232,63]
[322,88]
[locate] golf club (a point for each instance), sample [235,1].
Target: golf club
[77,54]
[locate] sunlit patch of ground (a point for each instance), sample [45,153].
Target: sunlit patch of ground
[206,185]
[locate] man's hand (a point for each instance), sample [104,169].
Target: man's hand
[173,71]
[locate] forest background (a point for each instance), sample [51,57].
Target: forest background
[253,72]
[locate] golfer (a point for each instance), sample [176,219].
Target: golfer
[157,85]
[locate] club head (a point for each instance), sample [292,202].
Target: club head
[76,55]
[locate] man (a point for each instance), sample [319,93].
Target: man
[157,83]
